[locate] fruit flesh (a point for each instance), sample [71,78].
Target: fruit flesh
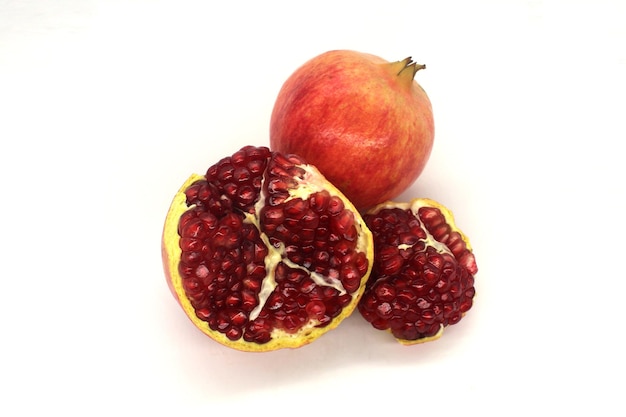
[356,118]
[423,277]
[263,253]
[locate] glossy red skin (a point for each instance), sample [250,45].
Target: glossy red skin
[369,131]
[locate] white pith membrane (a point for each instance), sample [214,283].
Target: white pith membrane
[311,182]
[414,206]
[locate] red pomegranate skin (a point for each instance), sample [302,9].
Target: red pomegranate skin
[366,124]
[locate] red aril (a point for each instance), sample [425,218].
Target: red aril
[423,275]
[263,252]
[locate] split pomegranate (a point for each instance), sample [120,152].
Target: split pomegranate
[423,275]
[264,253]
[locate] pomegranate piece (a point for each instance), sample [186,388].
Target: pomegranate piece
[264,253]
[423,274]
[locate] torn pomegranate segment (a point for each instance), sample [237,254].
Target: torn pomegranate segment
[263,252]
[423,274]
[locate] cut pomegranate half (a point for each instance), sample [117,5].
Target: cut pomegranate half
[423,275]
[264,253]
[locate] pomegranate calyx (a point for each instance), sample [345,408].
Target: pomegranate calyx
[406,70]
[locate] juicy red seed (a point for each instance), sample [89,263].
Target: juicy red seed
[237,318]
[440,232]
[399,307]
[343,248]
[233,333]
[241,175]
[203,314]
[275,301]
[256,167]
[385,292]
[435,260]
[469,262]
[315,309]
[190,244]
[407,238]
[209,220]
[231,189]
[335,206]
[343,225]
[423,304]
[255,271]
[361,262]
[428,316]
[407,296]
[233,300]
[272,216]
[431,216]
[328,293]
[296,208]
[282,161]
[239,158]
[277,199]
[258,331]
[319,201]
[198,192]
[380,323]
[191,285]
[307,286]
[186,217]
[309,220]
[202,271]
[257,152]
[248,300]
[225,172]
[293,322]
[278,185]
[191,257]
[344,299]
[465,305]
[246,195]
[289,293]
[386,252]
[194,228]
[350,278]
[430,274]
[384,310]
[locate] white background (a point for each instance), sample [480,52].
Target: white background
[107,106]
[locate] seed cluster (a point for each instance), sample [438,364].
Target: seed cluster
[416,288]
[242,211]
[319,234]
[295,301]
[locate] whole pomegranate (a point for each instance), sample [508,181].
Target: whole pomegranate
[365,123]
[263,252]
[424,267]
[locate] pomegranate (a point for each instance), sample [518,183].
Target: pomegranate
[423,275]
[364,122]
[263,252]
